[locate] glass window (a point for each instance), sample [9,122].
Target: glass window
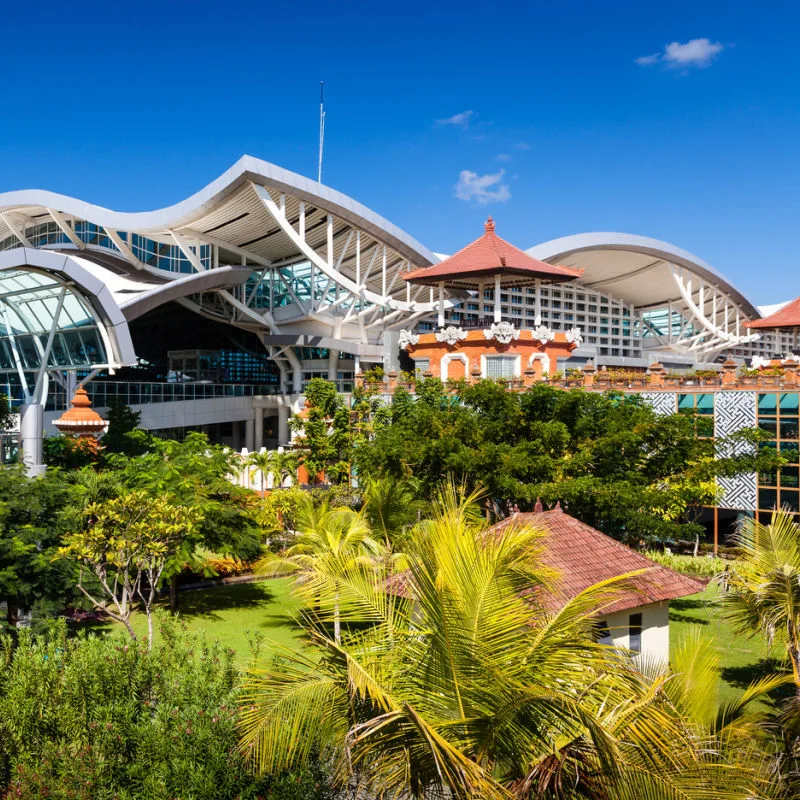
[767,403]
[767,499]
[421,365]
[789,499]
[789,403]
[500,366]
[788,427]
[635,633]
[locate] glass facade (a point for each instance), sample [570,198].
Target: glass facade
[778,416]
[701,407]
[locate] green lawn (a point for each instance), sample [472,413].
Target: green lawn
[743,659]
[233,614]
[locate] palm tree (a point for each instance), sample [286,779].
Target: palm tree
[761,591]
[265,462]
[467,689]
[286,464]
[329,542]
[390,505]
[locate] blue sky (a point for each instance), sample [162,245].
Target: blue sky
[677,120]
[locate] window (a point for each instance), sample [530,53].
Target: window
[635,633]
[601,632]
[421,365]
[500,367]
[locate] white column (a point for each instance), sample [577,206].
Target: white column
[497,315]
[441,305]
[283,425]
[259,428]
[31,433]
[333,364]
[250,434]
[537,303]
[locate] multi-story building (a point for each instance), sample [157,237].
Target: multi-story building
[215,312]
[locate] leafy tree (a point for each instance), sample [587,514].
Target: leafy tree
[69,452]
[608,457]
[30,533]
[122,422]
[469,689]
[196,474]
[126,544]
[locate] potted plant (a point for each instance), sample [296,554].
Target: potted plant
[770,376]
[748,376]
[574,377]
[673,378]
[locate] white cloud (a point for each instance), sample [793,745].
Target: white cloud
[503,157]
[522,146]
[694,53]
[484,189]
[461,120]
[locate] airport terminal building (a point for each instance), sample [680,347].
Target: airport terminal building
[214,313]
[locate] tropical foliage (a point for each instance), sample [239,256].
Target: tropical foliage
[457,683]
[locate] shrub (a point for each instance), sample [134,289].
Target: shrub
[698,567]
[100,718]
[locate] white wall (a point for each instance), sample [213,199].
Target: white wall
[655,630]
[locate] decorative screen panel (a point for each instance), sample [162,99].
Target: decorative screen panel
[736,410]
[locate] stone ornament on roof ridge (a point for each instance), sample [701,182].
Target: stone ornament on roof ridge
[503,332]
[451,335]
[574,336]
[543,334]
[407,339]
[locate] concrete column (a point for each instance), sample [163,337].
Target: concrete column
[283,425]
[259,428]
[333,364]
[297,380]
[236,435]
[440,319]
[31,432]
[497,315]
[250,434]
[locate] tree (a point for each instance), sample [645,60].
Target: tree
[263,462]
[30,531]
[468,689]
[126,544]
[196,474]
[391,506]
[608,457]
[122,422]
[762,587]
[329,541]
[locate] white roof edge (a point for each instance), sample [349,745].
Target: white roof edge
[612,240]
[246,168]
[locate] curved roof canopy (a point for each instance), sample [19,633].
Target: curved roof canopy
[638,269]
[320,264]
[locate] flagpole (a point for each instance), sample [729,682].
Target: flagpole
[321,128]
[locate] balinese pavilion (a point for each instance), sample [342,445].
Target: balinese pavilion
[489,269]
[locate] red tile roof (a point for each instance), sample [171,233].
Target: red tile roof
[581,557]
[786,317]
[487,256]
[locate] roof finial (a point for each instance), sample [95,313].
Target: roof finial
[558,505]
[538,508]
[489,225]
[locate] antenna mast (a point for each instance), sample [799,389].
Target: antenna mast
[321,128]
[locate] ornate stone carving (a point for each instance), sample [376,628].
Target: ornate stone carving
[574,336]
[451,335]
[543,334]
[759,361]
[503,332]
[792,357]
[407,339]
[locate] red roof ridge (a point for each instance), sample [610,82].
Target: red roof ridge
[488,255]
[786,317]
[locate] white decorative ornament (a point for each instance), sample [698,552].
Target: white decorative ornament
[407,339]
[574,336]
[450,334]
[504,332]
[792,357]
[543,334]
[759,361]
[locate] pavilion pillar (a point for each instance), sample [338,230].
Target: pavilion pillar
[250,434]
[497,313]
[441,304]
[258,431]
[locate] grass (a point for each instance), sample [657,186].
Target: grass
[743,659]
[233,615]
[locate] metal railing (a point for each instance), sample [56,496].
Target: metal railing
[134,394]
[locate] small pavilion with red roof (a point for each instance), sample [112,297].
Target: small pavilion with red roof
[495,348]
